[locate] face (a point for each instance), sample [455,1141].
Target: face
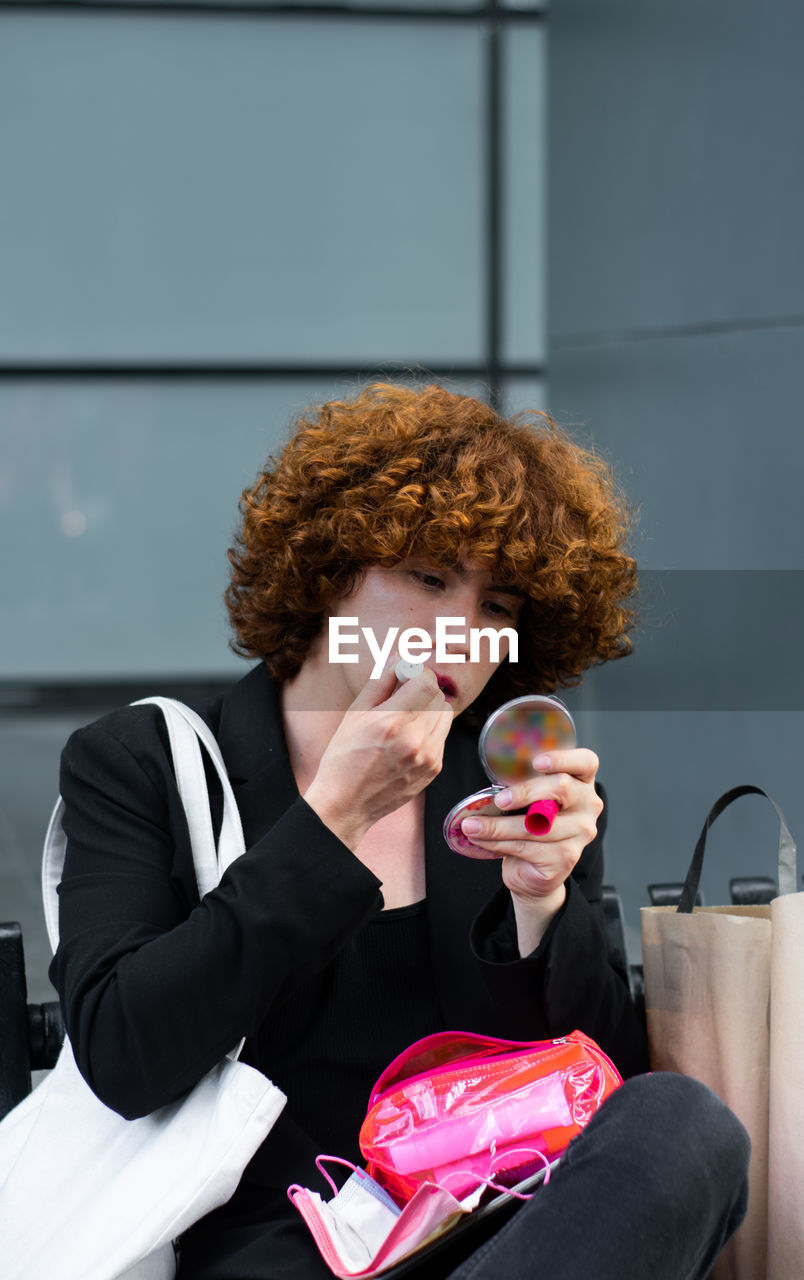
[415,594]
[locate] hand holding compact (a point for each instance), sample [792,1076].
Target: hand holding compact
[536,866]
[514,736]
[540,823]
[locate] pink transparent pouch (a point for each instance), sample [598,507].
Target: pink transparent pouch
[456,1109]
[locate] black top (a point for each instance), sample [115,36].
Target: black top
[327,1051]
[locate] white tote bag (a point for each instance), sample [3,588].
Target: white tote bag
[87,1195]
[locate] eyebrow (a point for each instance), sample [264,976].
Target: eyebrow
[505,590]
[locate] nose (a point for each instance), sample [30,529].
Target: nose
[473,606]
[466,605]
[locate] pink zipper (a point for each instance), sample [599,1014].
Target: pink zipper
[495,1053]
[479,1062]
[440,1037]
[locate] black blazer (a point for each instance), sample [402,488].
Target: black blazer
[156,987]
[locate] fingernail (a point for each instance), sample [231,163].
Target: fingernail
[471,826]
[503,800]
[542,762]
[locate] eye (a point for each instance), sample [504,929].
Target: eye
[498,610]
[503,608]
[429,580]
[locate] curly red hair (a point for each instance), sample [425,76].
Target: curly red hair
[396,472]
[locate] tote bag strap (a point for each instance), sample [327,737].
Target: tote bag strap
[787,848]
[186,730]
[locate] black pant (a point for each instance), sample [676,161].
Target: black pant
[651,1190]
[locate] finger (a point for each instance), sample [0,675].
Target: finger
[547,860]
[440,727]
[567,836]
[569,793]
[521,850]
[493,831]
[522,794]
[376,691]
[419,694]
[580,762]
[426,736]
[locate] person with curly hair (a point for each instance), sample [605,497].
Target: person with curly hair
[348,928]
[395,473]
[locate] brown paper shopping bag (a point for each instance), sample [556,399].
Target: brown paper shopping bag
[724,995]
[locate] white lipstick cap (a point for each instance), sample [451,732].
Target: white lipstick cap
[407,670]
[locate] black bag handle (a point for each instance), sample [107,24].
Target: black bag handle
[787,848]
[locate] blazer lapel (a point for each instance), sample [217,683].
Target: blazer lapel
[253,746]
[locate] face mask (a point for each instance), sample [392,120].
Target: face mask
[361,1230]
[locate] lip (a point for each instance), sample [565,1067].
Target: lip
[447,685]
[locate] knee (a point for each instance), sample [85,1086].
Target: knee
[686,1127]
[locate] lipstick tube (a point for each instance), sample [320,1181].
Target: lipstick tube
[540,815]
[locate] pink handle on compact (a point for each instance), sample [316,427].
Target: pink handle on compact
[540,815]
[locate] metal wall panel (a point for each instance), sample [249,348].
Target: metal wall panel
[230,188]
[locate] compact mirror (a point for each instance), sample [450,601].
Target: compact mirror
[511,737]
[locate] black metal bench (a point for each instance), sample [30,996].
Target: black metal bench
[30,1034]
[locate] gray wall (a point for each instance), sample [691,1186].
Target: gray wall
[676,317]
[288,190]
